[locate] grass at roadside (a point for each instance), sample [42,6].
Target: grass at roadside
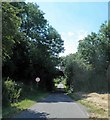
[29,100]
[94,110]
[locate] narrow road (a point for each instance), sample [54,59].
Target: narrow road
[57,105]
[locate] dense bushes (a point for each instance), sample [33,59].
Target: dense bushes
[11,92]
[16,91]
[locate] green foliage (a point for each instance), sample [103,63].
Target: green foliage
[10,25]
[76,71]
[60,80]
[87,69]
[28,100]
[5,99]
[11,91]
[31,46]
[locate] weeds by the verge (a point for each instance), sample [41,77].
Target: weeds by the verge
[96,112]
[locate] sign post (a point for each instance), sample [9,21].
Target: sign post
[37,80]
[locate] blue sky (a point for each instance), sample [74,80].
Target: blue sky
[74,20]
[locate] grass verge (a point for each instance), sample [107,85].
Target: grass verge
[95,111]
[29,100]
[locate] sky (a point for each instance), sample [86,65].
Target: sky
[74,20]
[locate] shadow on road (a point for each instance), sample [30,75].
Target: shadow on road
[57,97]
[30,114]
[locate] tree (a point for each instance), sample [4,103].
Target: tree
[34,44]
[10,25]
[87,69]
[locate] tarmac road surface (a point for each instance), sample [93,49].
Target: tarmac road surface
[56,105]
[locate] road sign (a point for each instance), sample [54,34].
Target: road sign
[37,79]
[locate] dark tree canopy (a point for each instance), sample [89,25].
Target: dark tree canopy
[31,46]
